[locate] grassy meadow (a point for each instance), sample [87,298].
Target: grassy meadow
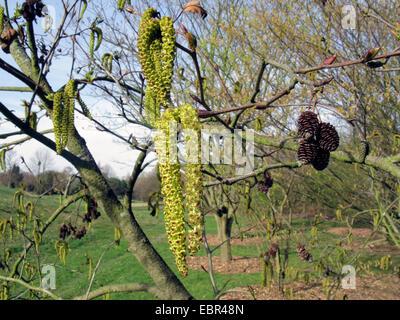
[119,266]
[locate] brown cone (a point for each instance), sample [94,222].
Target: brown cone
[321,160]
[307,124]
[307,151]
[328,137]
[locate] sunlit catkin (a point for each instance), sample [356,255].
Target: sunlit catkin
[171,190]
[1,19]
[156,47]
[168,57]
[193,178]
[58,119]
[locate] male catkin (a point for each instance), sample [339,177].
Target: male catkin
[193,180]
[156,46]
[171,189]
[58,119]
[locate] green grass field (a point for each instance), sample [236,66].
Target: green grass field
[119,266]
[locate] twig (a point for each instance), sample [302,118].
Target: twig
[96,268]
[210,264]
[28,286]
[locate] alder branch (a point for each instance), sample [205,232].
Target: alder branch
[256,91]
[16,89]
[97,268]
[117,288]
[30,287]
[346,63]
[137,170]
[22,77]
[258,105]
[41,138]
[386,164]
[17,142]
[193,55]
[65,204]
[231,181]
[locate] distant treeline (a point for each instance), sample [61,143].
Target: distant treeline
[53,182]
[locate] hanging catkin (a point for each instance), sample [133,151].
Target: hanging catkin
[193,179]
[171,189]
[58,119]
[63,115]
[156,46]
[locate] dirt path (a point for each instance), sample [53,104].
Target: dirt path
[375,287]
[213,240]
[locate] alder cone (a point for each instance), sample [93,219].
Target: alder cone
[264,186]
[328,137]
[363,151]
[307,151]
[303,253]
[307,124]
[321,160]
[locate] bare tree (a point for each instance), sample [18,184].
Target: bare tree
[41,161]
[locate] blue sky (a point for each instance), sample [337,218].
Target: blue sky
[104,147]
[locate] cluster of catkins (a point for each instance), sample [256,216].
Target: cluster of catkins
[171,189]
[319,139]
[157,50]
[63,114]
[303,253]
[156,47]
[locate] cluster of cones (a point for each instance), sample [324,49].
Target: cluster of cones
[271,253]
[264,186]
[319,139]
[67,229]
[303,253]
[32,9]
[92,212]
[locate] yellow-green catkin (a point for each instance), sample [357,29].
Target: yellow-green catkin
[121,4]
[106,61]
[193,179]
[148,47]
[172,191]
[58,119]
[63,115]
[91,44]
[68,127]
[3,160]
[149,31]
[151,106]
[1,19]
[156,47]
[168,57]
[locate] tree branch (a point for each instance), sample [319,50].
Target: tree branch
[346,63]
[127,287]
[28,286]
